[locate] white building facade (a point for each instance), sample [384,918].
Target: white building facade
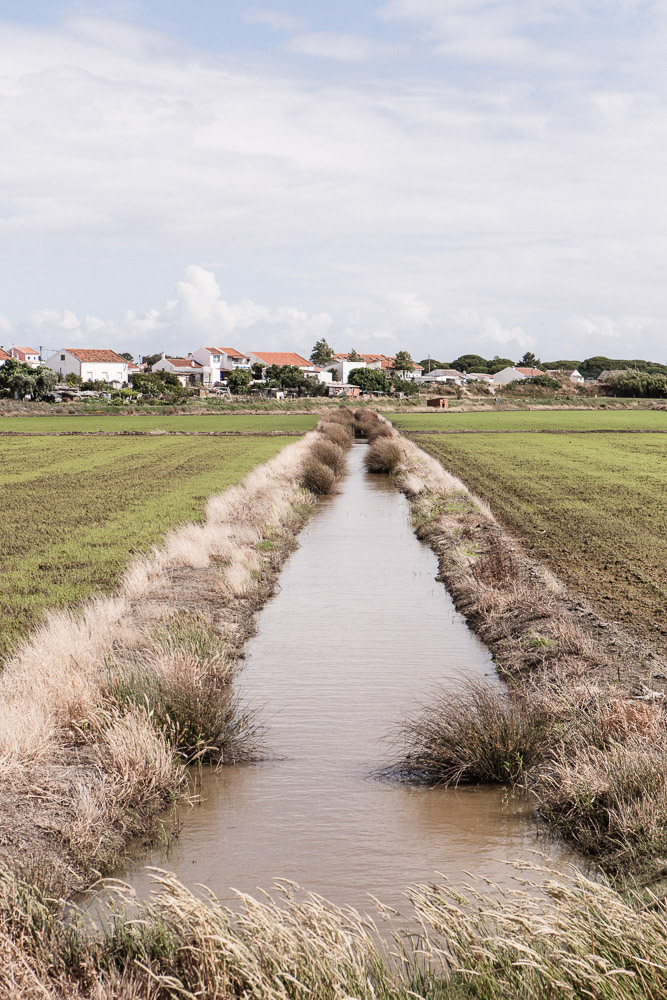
[90,364]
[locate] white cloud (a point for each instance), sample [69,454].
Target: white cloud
[523,200]
[197,314]
[488,332]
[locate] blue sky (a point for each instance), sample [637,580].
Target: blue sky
[436,175]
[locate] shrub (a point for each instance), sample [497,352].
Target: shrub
[184,682]
[384,455]
[332,455]
[479,734]
[610,799]
[317,477]
[340,434]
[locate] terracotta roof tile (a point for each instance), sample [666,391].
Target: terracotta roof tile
[281,358]
[95,354]
[183,363]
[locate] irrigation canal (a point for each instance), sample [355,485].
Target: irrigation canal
[358,635]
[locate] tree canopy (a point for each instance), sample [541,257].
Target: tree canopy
[20,380]
[403,362]
[469,363]
[369,379]
[322,354]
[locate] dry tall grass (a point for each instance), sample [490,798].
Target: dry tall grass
[561,936]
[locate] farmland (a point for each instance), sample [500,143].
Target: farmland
[533,420]
[73,510]
[245,423]
[593,507]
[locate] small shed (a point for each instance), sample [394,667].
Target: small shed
[440,402]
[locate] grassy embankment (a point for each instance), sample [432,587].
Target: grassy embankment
[104,702]
[574,727]
[592,507]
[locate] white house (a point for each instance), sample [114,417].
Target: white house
[27,355]
[90,364]
[290,358]
[217,362]
[479,377]
[514,375]
[450,375]
[187,370]
[343,367]
[574,376]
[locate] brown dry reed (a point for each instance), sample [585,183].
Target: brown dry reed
[551,936]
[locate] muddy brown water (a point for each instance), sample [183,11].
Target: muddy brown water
[357,636]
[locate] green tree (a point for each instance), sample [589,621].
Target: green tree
[354,356]
[369,379]
[529,360]
[403,362]
[157,385]
[126,355]
[239,380]
[285,376]
[404,385]
[638,385]
[19,380]
[470,363]
[73,379]
[497,365]
[322,354]
[258,370]
[151,359]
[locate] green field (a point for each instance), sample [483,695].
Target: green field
[253,423]
[516,420]
[592,507]
[73,510]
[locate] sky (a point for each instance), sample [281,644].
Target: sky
[441,176]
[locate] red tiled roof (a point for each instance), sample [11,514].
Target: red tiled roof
[95,354]
[231,352]
[530,372]
[25,350]
[183,363]
[4,356]
[280,358]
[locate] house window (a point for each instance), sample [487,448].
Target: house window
[62,357]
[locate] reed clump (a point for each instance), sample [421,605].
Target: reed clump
[477,734]
[184,680]
[340,434]
[317,477]
[384,455]
[331,454]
